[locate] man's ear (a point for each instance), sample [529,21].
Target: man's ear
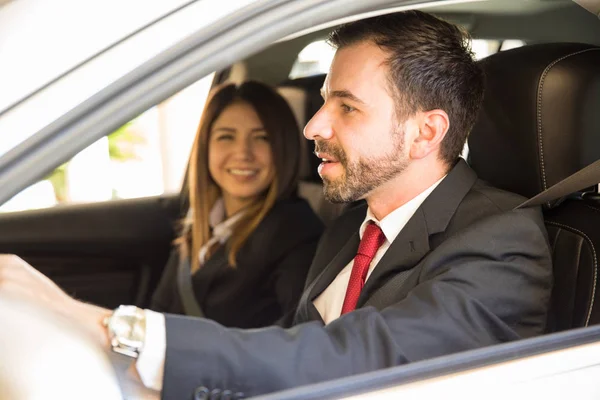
[433,126]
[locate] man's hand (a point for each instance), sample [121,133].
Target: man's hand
[20,280]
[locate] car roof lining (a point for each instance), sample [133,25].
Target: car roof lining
[532,22]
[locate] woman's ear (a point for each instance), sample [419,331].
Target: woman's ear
[433,126]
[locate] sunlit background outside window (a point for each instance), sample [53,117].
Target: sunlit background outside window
[145,157]
[316,57]
[313,59]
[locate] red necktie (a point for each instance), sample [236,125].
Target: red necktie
[372,239]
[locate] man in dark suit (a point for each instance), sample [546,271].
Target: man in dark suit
[435,262]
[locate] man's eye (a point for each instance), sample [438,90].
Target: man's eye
[346,108]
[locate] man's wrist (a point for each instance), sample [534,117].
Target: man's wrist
[92,318]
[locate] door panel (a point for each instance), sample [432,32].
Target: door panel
[107,253]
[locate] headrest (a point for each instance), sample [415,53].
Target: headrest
[312,86]
[311,99]
[540,119]
[296,98]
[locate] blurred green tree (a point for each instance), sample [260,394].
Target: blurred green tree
[122,145]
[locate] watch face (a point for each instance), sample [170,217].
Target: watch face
[128,326]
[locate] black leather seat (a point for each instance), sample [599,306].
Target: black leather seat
[540,123]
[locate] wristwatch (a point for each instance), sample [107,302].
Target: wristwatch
[127,330]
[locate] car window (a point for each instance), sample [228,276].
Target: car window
[145,157]
[39,80]
[315,58]
[486,47]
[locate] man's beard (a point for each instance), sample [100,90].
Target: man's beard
[364,175]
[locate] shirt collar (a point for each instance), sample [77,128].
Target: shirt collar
[217,213]
[221,227]
[394,222]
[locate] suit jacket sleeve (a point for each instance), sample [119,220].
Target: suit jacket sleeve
[487,284]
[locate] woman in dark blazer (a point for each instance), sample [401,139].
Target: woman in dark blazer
[248,240]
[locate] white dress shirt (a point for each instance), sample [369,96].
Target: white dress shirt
[151,361]
[329,303]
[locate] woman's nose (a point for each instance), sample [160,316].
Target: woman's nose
[243,149]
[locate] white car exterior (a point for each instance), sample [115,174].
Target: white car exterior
[66,83]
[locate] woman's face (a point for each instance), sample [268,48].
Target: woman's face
[239,156]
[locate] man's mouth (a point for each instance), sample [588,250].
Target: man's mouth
[326,158]
[328,164]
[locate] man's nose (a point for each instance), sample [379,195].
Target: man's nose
[319,126]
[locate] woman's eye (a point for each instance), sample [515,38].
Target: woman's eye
[346,108]
[224,137]
[263,138]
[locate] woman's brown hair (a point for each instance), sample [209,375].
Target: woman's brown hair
[284,136]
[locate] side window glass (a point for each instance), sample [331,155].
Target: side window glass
[511,44]
[486,47]
[145,157]
[316,57]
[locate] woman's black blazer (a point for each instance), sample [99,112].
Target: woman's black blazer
[268,279]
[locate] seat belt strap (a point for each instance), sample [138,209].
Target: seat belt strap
[585,177]
[186,289]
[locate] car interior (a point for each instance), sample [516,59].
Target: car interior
[113,253]
[541,134]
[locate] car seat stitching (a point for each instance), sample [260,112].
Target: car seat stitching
[589,314]
[558,231]
[592,208]
[539,109]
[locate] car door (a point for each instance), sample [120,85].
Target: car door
[552,367]
[107,253]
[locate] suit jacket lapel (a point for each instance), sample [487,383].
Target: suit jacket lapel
[346,240]
[306,310]
[217,260]
[335,266]
[412,243]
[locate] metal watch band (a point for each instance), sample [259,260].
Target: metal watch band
[126,328]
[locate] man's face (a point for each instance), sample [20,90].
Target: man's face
[356,132]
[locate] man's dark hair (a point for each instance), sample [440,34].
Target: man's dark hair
[431,67]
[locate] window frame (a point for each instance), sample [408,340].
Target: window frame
[438,367]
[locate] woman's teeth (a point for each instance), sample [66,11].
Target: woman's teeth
[242,172]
